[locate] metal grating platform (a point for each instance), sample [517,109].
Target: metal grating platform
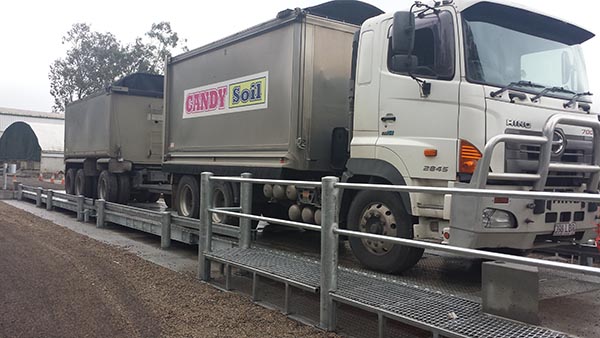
[298,271]
[447,314]
[425,308]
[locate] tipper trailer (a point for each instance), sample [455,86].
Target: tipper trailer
[481,94]
[113,142]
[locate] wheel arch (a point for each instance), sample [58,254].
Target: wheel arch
[372,171]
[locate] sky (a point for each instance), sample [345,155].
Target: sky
[32,31]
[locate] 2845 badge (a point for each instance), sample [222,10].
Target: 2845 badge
[440,169]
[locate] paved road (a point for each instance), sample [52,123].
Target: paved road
[56,283]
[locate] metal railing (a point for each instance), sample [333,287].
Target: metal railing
[482,173]
[330,231]
[162,223]
[176,227]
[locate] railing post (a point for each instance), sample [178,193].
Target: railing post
[329,251]
[246,206]
[165,233]
[20,192]
[5,176]
[205,231]
[80,203]
[100,213]
[38,197]
[49,196]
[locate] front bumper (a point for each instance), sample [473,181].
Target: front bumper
[532,229]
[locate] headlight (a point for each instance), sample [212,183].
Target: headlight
[494,218]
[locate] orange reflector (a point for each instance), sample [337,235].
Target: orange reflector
[501,200]
[469,155]
[430,152]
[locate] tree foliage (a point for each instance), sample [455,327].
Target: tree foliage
[94,60]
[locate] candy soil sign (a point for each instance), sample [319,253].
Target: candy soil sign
[241,94]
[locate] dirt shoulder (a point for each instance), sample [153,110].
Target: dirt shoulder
[56,283]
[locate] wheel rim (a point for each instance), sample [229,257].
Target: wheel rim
[102,190]
[78,187]
[218,202]
[186,201]
[377,218]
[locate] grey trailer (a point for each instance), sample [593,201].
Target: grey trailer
[271,100]
[113,141]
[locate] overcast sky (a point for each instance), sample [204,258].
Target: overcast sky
[31,32]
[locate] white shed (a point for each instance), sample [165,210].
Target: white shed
[33,140]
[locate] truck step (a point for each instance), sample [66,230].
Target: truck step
[438,312]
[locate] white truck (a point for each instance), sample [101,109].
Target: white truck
[472,93]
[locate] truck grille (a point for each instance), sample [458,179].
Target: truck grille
[524,158]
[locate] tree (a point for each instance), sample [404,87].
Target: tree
[95,60]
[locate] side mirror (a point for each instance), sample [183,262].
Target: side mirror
[567,67]
[403,63]
[403,33]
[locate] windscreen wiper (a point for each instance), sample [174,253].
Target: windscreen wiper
[575,97]
[516,84]
[551,90]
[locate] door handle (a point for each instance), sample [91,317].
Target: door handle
[388,118]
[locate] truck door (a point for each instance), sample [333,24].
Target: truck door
[418,132]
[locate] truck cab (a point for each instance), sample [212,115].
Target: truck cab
[479,94]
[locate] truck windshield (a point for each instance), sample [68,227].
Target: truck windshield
[508,45]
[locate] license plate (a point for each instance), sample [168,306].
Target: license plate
[564,229]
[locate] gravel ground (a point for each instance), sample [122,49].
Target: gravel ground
[56,283]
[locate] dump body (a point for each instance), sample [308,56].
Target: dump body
[119,123]
[268,97]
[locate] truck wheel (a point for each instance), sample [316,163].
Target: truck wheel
[70,181]
[223,197]
[188,197]
[124,183]
[382,213]
[83,184]
[108,187]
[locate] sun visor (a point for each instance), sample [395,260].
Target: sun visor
[527,22]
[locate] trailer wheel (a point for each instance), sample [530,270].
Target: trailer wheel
[382,213]
[188,197]
[223,197]
[70,181]
[83,184]
[124,188]
[108,187]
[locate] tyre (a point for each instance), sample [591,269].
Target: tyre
[124,188]
[223,197]
[382,213]
[70,181]
[108,187]
[83,184]
[187,200]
